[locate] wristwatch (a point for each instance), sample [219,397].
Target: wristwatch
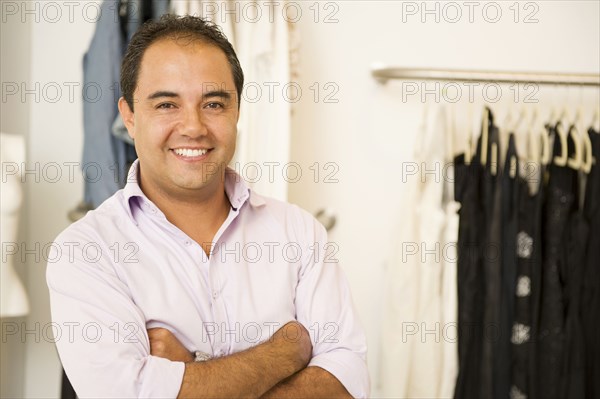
[200,356]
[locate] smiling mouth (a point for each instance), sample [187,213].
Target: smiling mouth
[190,152]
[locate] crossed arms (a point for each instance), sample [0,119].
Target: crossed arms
[275,368]
[110,307]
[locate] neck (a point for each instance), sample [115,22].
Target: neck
[199,213]
[206,210]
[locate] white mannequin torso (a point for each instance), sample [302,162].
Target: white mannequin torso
[13,301]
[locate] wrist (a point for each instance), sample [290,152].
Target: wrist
[291,339]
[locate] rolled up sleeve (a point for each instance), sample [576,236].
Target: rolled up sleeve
[100,333]
[324,306]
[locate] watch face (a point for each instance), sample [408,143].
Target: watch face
[201,356]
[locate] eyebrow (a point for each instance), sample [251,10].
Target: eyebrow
[159,94]
[209,94]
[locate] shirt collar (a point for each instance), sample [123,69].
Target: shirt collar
[235,187]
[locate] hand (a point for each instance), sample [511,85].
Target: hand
[297,341]
[164,344]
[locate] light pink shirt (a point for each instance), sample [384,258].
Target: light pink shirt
[125,268]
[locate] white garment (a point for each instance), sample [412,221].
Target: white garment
[13,298]
[416,355]
[450,303]
[449,275]
[263,48]
[261,40]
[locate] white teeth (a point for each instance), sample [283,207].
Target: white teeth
[187,152]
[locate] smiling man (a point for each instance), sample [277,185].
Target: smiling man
[197,286]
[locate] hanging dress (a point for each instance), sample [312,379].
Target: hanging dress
[558,207]
[511,186]
[527,287]
[590,305]
[467,191]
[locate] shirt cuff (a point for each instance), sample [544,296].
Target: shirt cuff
[162,378]
[349,368]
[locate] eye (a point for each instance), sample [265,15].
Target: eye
[214,105]
[165,106]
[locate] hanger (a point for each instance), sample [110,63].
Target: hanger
[588,161]
[586,155]
[452,128]
[495,150]
[513,166]
[522,116]
[535,136]
[533,153]
[520,119]
[505,129]
[484,135]
[575,162]
[595,120]
[469,151]
[561,160]
[494,160]
[545,153]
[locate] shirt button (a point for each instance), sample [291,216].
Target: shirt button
[188,242]
[215,294]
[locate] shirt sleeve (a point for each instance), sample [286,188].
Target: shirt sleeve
[100,333]
[324,306]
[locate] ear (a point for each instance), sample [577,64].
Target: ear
[127,116]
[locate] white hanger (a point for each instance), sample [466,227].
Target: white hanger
[537,135]
[545,154]
[586,164]
[484,136]
[452,127]
[575,162]
[469,151]
[494,160]
[513,167]
[595,120]
[561,160]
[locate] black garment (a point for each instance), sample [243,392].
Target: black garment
[491,201]
[527,285]
[590,302]
[66,389]
[469,275]
[558,209]
[573,385]
[510,189]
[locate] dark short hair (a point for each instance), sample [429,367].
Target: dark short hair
[171,26]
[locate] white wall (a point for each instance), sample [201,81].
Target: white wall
[367,133]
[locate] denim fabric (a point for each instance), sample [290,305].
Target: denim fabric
[139,11]
[105,158]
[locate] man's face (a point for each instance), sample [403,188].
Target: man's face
[185,118]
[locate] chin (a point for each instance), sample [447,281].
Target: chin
[195,184]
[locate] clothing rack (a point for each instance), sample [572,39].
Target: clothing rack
[580,79]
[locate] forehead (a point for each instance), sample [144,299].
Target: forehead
[184,58]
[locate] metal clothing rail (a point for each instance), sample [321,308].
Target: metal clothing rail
[579,79]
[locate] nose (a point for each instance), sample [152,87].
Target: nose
[193,125]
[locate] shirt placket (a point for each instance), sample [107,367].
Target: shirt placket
[226,332]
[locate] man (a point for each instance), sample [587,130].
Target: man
[186,263]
